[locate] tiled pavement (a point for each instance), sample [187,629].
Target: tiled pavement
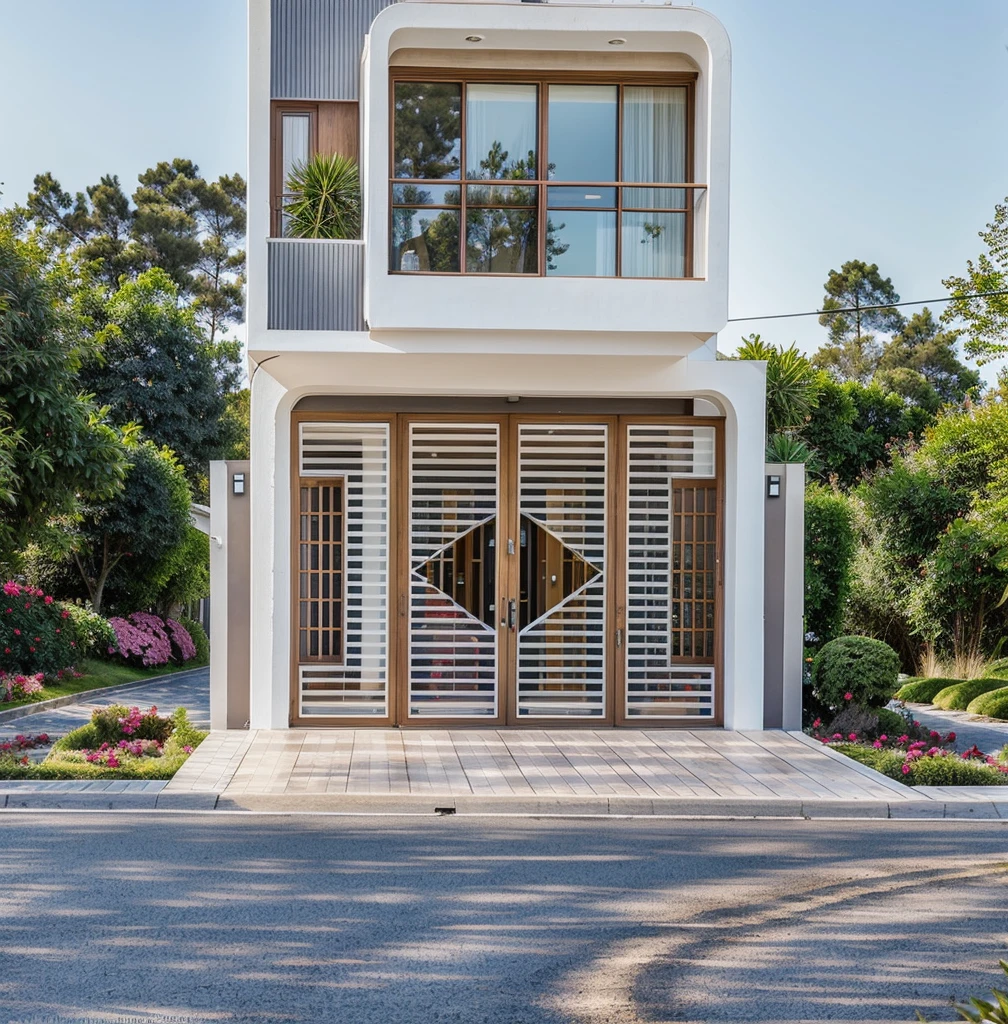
[553,771]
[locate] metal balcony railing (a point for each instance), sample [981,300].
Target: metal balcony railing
[315,285]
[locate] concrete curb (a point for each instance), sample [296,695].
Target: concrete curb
[125,799]
[84,696]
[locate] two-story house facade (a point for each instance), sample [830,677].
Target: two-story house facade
[498,476]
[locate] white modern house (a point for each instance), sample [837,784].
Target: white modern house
[497,475]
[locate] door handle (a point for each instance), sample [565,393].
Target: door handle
[512,614]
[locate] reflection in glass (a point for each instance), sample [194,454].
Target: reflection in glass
[502,241]
[466,571]
[654,133]
[582,132]
[500,131]
[582,243]
[653,244]
[502,195]
[550,572]
[425,240]
[426,195]
[589,198]
[427,134]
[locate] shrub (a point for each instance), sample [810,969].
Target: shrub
[199,639]
[868,723]
[993,704]
[829,552]
[15,686]
[326,201]
[183,648]
[934,767]
[118,722]
[36,633]
[923,691]
[855,669]
[95,637]
[958,696]
[142,639]
[980,1010]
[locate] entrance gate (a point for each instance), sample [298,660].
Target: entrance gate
[507,570]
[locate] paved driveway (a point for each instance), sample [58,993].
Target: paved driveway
[494,921]
[190,690]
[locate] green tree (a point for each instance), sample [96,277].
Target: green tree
[158,369]
[428,125]
[864,302]
[189,227]
[792,388]
[830,544]
[920,363]
[125,549]
[985,318]
[56,445]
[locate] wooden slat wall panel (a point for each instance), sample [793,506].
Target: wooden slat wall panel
[359,453]
[660,684]
[562,471]
[454,473]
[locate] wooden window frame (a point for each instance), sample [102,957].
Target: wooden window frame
[320,659]
[542,80]
[280,108]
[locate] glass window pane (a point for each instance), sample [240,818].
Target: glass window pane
[425,240]
[502,195]
[581,243]
[654,199]
[295,149]
[428,130]
[589,198]
[500,131]
[654,133]
[653,244]
[501,241]
[426,195]
[582,132]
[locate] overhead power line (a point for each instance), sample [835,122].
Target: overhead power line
[863,309]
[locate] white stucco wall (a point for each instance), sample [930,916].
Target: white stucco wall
[525,302]
[737,388]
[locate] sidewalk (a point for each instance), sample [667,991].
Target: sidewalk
[708,773]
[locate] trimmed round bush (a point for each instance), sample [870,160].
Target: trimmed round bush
[923,691]
[993,704]
[857,666]
[958,696]
[199,639]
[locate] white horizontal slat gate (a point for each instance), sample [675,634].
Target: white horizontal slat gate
[562,474]
[454,473]
[355,685]
[672,566]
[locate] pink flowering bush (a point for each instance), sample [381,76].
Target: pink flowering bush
[147,640]
[118,722]
[15,686]
[36,633]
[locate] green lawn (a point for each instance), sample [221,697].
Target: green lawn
[97,674]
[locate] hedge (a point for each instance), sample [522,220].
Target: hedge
[993,704]
[957,697]
[923,691]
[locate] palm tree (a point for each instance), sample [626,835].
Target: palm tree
[325,199]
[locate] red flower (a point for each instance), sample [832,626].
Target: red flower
[65,614]
[57,631]
[17,632]
[48,599]
[27,604]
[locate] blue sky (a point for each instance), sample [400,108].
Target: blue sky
[870,129]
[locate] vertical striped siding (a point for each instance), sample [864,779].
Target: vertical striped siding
[315,285]
[316,47]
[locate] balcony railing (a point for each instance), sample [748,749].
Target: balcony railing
[315,285]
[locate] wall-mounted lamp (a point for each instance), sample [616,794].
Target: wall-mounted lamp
[773,486]
[238,483]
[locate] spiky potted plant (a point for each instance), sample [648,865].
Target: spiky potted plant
[324,198]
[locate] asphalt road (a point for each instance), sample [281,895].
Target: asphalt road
[224,917]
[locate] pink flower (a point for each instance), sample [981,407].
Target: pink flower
[27,604]
[853,737]
[848,696]
[950,738]
[187,750]
[817,723]
[837,736]
[17,632]
[877,744]
[48,599]
[11,589]
[64,614]
[883,737]
[905,769]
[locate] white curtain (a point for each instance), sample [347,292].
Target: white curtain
[654,150]
[505,114]
[605,245]
[296,131]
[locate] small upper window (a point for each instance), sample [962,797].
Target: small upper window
[539,177]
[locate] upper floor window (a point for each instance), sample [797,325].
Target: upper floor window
[571,178]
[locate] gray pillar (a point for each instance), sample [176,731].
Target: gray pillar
[230,593]
[784,595]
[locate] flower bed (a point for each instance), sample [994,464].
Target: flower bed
[918,757]
[37,636]
[118,743]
